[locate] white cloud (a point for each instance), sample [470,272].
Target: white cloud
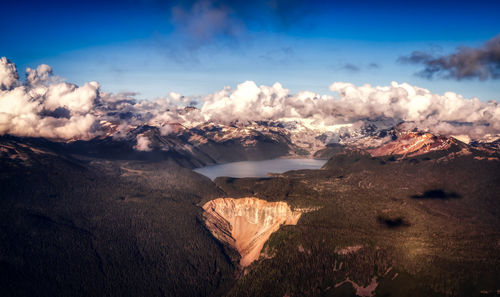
[449,113]
[78,100]
[41,75]
[143,143]
[166,129]
[30,109]
[46,106]
[8,74]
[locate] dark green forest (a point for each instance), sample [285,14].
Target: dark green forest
[88,225]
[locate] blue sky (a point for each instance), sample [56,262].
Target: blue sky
[197,47]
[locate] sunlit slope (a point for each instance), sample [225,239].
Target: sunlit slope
[420,226]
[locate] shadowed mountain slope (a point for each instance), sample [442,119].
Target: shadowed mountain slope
[93,227]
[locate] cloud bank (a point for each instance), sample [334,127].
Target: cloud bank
[449,113]
[466,63]
[45,106]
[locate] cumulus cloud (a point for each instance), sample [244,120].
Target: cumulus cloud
[41,75]
[45,106]
[8,74]
[449,113]
[466,63]
[143,143]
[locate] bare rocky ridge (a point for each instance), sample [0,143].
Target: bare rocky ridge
[412,144]
[246,223]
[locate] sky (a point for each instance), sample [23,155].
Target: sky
[153,47]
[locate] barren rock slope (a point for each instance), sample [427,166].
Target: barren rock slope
[246,223]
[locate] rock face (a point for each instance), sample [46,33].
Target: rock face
[246,223]
[410,144]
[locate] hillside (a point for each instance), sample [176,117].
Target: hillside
[416,215]
[94,227]
[423,226]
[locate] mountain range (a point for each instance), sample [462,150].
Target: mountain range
[393,212]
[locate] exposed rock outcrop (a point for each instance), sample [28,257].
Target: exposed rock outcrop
[410,144]
[246,223]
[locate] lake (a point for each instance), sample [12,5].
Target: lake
[258,168]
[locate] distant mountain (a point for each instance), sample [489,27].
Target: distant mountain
[211,143]
[190,147]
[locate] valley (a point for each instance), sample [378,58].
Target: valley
[414,214]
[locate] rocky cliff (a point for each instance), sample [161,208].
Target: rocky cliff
[246,223]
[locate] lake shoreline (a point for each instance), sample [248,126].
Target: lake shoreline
[262,168]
